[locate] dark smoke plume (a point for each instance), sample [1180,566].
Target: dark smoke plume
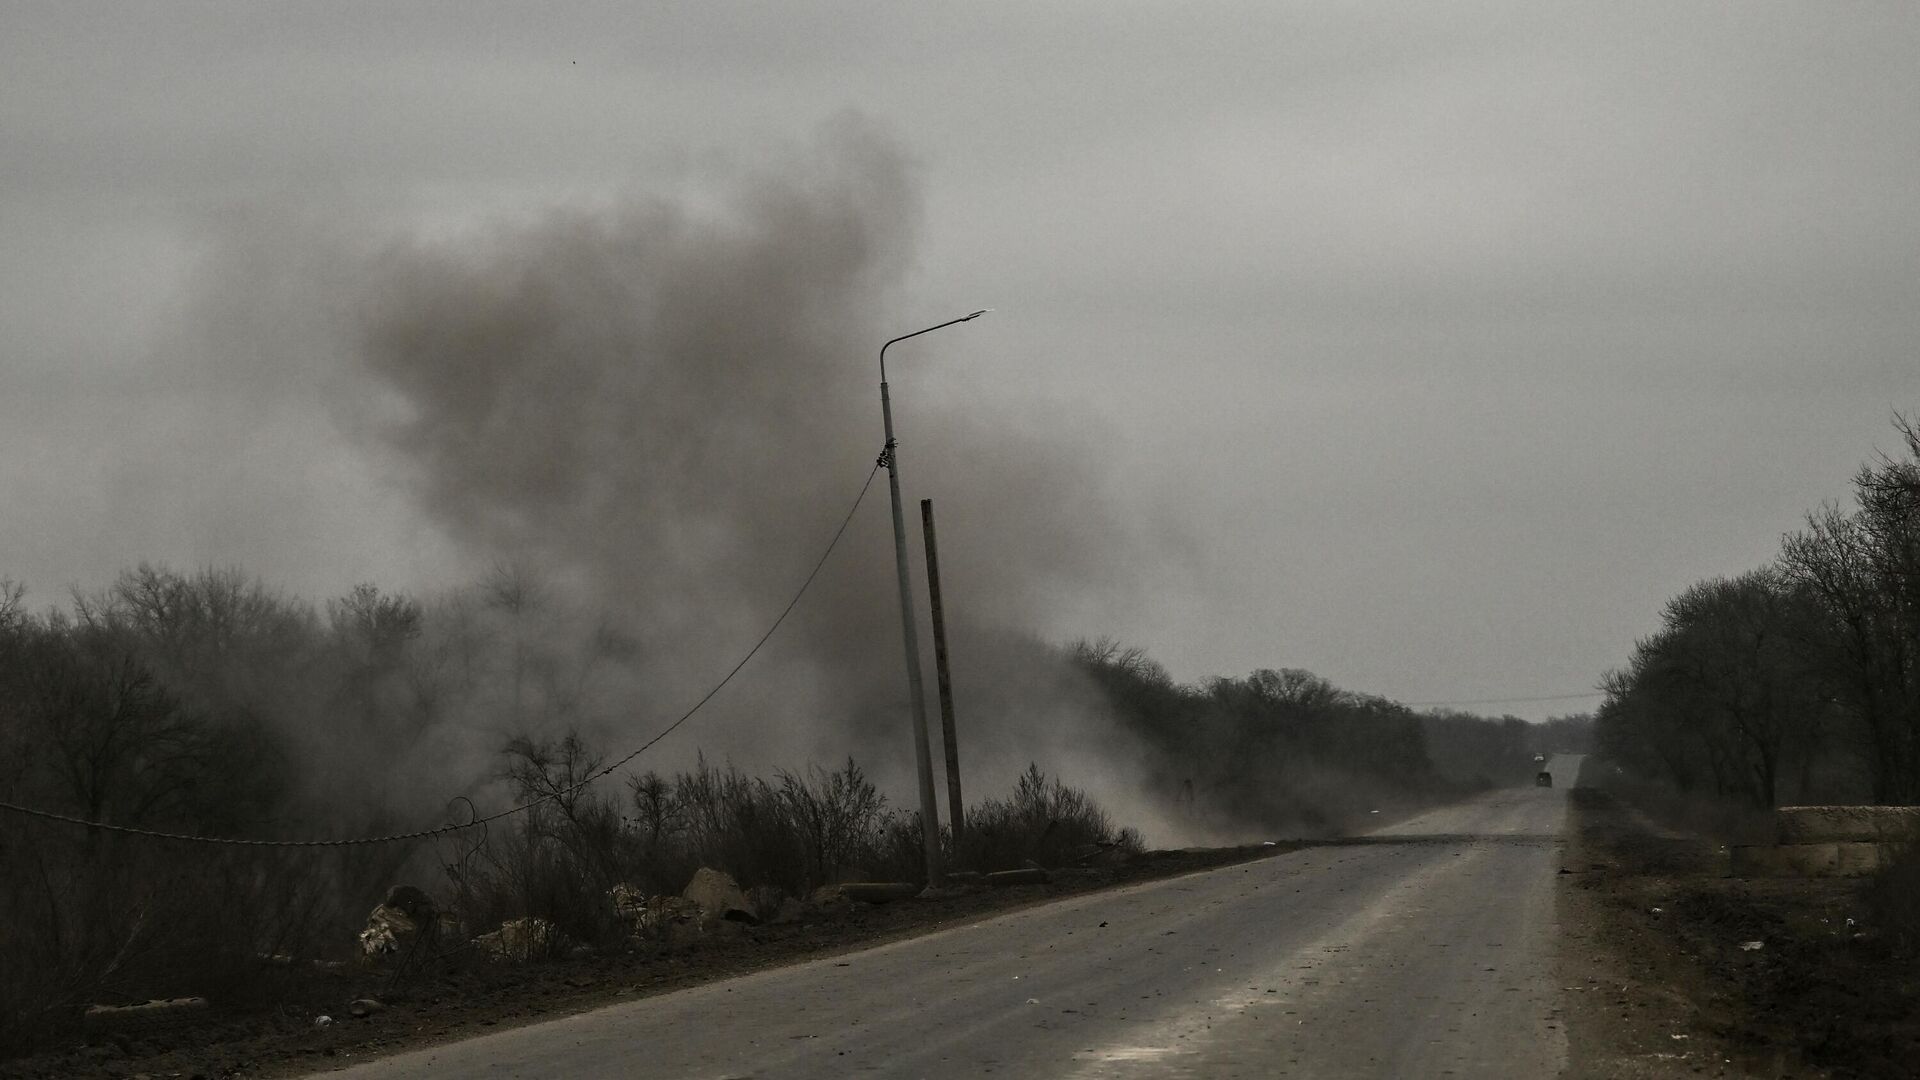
[661,410]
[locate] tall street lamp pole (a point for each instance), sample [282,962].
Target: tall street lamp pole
[929,813]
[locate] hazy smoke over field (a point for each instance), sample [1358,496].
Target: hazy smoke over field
[658,412]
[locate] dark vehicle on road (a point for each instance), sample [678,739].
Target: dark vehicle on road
[1543,778]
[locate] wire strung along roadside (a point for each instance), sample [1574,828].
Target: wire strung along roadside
[478,822]
[1505,700]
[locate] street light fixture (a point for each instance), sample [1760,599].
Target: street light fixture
[929,814]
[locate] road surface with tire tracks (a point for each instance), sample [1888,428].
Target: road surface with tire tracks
[1424,949]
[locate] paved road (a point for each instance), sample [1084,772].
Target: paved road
[1424,950]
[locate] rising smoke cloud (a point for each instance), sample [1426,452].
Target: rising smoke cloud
[660,409]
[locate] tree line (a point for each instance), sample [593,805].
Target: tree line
[1286,750]
[1797,681]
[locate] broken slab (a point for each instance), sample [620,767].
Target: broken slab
[719,896]
[1031,875]
[144,1017]
[522,939]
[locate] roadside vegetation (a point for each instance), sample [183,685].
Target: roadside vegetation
[207,703]
[1796,683]
[1289,751]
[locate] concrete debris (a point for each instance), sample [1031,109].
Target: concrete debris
[388,932]
[719,896]
[659,914]
[663,920]
[145,1016]
[522,939]
[1027,876]
[628,900]
[393,925]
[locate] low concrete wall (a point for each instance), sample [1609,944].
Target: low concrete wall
[1829,824]
[1849,858]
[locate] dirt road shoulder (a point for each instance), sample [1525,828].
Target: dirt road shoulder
[1675,969]
[459,1000]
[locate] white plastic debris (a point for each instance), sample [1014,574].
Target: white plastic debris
[322,1021]
[1752,946]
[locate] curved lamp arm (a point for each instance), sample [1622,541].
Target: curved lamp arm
[917,333]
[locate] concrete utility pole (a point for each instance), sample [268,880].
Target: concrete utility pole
[943,678]
[916,692]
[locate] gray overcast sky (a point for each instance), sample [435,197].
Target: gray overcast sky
[1443,342]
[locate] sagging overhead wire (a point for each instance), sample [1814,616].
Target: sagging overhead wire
[1503,700]
[474,822]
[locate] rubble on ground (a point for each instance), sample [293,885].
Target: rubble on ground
[396,922]
[147,1016]
[719,896]
[522,939]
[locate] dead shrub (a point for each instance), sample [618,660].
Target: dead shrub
[1044,822]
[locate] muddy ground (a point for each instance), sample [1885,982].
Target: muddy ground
[1654,950]
[467,995]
